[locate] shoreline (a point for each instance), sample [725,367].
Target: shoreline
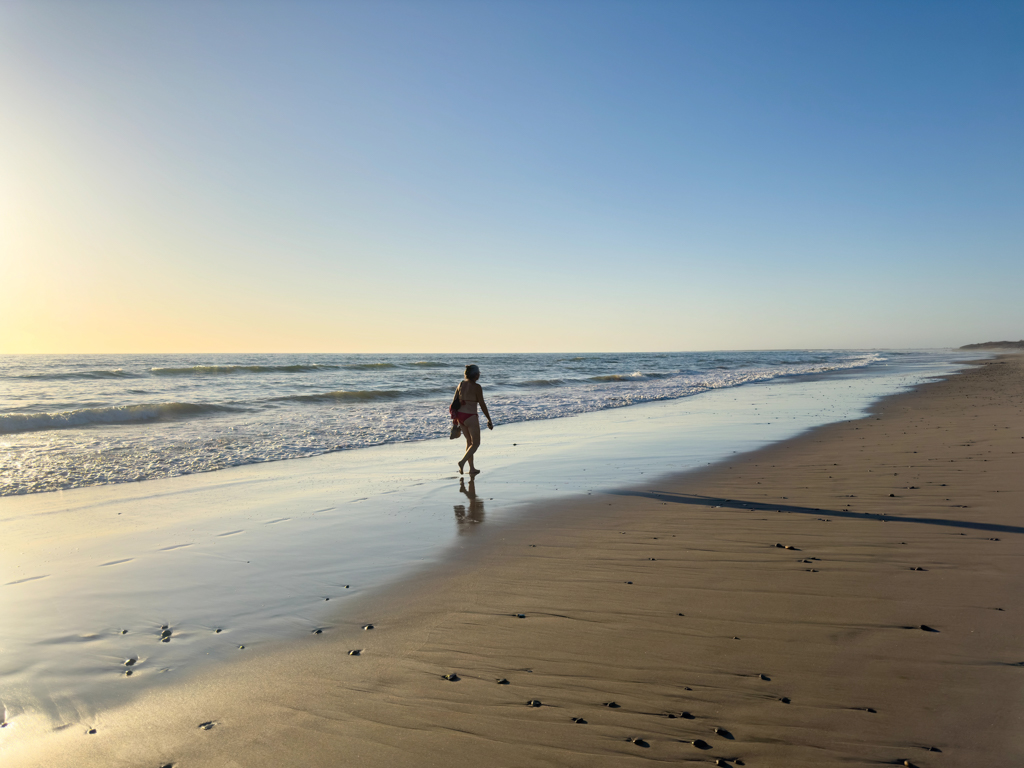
[589,607]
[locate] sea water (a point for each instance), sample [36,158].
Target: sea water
[69,421]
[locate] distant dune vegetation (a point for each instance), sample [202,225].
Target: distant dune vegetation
[996,345]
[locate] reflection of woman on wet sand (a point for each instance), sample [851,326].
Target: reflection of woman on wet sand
[470,393]
[475,513]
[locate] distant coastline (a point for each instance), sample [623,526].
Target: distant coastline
[996,345]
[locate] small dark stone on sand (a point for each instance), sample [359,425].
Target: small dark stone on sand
[686,716]
[700,744]
[780,546]
[241,647]
[124,631]
[723,733]
[355,652]
[892,495]
[130,662]
[735,638]
[629,582]
[869,709]
[503,681]
[721,762]
[764,677]
[368,626]
[165,639]
[926,628]
[217,631]
[128,673]
[318,631]
[934,749]
[165,626]
[679,614]
[450,676]
[611,705]
[91,731]
[687,689]
[908,764]
[784,699]
[207,725]
[520,615]
[919,569]
[993,539]
[533,703]
[789,546]
[640,742]
[167,765]
[579,721]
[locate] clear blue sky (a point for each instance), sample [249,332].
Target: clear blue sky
[509,176]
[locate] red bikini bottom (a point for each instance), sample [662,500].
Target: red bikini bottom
[463,416]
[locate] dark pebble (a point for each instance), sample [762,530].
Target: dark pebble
[91,731]
[318,631]
[533,703]
[721,762]
[520,615]
[355,652]
[450,676]
[368,626]
[128,673]
[124,631]
[611,705]
[207,725]
[640,742]
[892,495]
[130,662]
[686,716]
[764,677]
[503,681]
[217,631]
[579,721]
[629,582]
[723,733]
[241,647]
[784,699]
[926,628]
[700,744]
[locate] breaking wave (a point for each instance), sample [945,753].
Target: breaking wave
[342,396]
[116,373]
[122,414]
[220,370]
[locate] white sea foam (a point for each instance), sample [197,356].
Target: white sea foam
[122,414]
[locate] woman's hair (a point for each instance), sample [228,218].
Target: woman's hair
[472,372]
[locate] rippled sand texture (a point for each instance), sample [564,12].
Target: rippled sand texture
[850,597]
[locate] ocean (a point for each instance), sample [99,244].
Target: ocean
[69,421]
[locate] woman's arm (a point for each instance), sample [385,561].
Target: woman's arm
[483,405]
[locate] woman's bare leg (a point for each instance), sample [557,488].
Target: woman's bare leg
[471,430]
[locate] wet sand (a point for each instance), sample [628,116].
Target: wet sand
[852,596]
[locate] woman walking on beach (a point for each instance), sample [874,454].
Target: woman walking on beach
[468,394]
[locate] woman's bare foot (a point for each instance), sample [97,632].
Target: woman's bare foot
[460,467]
[474,472]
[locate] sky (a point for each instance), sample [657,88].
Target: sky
[513,176]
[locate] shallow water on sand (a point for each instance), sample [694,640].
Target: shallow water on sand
[95,577]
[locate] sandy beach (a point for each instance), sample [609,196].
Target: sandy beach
[851,596]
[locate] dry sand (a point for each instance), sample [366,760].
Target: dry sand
[849,597]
